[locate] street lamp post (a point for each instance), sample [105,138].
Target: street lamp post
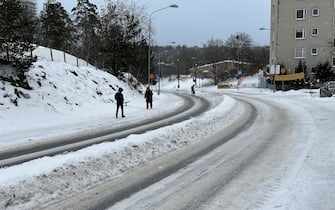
[160,73]
[273,58]
[178,75]
[273,52]
[159,77]
[149,41]
[239,50]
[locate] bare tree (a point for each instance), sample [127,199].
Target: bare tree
[239,45]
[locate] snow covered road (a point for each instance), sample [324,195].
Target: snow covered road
[236,171]
[191,107]
[265,167]
[236,175]
[137,179]
[283,160]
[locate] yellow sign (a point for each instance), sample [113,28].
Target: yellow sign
[290,77]
[225,85]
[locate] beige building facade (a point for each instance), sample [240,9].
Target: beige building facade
[302,30]
[30,6]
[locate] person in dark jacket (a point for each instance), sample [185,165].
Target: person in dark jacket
[119,102]
[148,96]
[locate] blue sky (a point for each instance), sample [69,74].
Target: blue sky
[197,21]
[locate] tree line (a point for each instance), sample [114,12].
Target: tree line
[238,47]
[16,35]
[114,39]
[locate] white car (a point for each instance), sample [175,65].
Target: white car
[328,89]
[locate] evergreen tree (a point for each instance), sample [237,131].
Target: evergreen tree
[140,60]
[88,25]
[16,36]
[301,67]
[131,32]
[15,23]
[122,38]
[214,50]
[323,72]
[56,26]
[111,47]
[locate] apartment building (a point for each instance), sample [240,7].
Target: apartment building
[30,6]
[302,30]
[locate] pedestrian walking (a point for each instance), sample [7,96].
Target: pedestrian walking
[148,97]
[119,102]
[192,90]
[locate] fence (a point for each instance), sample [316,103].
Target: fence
[44,53]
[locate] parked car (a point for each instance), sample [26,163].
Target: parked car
[328,89]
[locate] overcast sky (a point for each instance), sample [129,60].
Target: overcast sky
[197,21]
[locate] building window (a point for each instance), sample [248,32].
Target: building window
[301,14]
[315,12]
[300,33]
[315,32]
[300,53]
[333,61]
[314,51]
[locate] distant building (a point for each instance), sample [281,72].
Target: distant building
[30,6]
[222,70]
[302,30]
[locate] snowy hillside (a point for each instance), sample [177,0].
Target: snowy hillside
[62,96]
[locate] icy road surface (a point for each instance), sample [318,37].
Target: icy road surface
[256,169]
[284,159]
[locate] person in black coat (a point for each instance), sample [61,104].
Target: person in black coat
[148,97]
[119,102]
